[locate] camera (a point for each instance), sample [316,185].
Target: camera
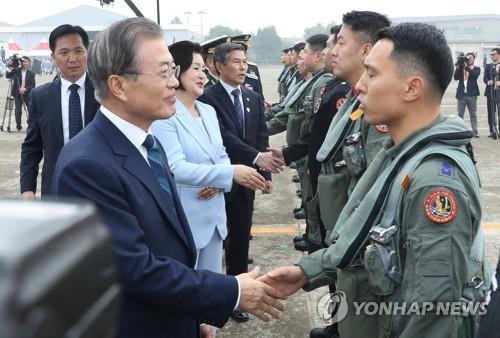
[13,64]
[461,60]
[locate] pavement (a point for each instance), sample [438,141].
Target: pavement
[274,225]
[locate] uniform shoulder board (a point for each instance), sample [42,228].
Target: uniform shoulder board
[252,76]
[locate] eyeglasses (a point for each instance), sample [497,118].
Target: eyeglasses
[166,75]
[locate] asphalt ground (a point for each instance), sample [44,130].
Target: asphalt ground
[274,225]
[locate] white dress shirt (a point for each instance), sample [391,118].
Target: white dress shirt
[134,134]
[65,92]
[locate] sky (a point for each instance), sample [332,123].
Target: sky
[289,17]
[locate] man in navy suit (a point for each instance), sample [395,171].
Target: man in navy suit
[466,73]
[117,163]
[51,122]
[244,133]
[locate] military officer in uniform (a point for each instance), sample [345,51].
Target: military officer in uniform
[208,48]
[410,233]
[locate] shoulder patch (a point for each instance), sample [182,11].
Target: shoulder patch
[446,169]
[440,206]
[252,75]
[339,103]
[382,128]
[317,104]
[321,90]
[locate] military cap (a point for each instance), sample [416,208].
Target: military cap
[208,46]
[242,40]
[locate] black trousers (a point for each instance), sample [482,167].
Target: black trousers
[492,117]
[239,210]
[18,100]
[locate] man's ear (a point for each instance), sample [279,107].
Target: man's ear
[367,48]
[218,66]
[117,85]
[414,89]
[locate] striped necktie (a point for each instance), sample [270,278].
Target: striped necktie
[240,116]
[157,164]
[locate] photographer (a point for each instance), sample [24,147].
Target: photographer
[23,81]
[467,91]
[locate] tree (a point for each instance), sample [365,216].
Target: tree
[319,28]
[219,30]
[265,46]
[176,20]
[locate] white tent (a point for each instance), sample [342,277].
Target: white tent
[13,48]
[41,49]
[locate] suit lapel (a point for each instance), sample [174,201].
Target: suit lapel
[190,125]
[247,107]
[135,164]
[89,101]
[55,97]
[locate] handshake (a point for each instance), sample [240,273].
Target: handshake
[270,161]
[261,295]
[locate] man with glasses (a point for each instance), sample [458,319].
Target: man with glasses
[58,109]
[119,165]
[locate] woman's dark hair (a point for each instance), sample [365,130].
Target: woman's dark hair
[182,52]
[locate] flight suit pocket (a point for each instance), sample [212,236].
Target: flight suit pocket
[434,271]
[354,155]
[381,284]
[332,195]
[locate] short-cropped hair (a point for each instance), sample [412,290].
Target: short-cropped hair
[64,30]
[422,48]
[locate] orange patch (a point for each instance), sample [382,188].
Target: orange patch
[382,128]
[321,90]
[440,206]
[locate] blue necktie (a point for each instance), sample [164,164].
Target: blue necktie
[240,116]
[158,166]
[74,111]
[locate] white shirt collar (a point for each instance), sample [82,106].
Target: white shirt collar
[229,89]
[134,134]
[81,82]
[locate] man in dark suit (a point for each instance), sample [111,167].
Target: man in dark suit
[58,110]
[118,164]
[466,73]
[22,85]
[489,77]
[244,133]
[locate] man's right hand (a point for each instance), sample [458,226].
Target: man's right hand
[258,298]
[248,177]
[28,195]
[277,153]
[286,279]
[268,162]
